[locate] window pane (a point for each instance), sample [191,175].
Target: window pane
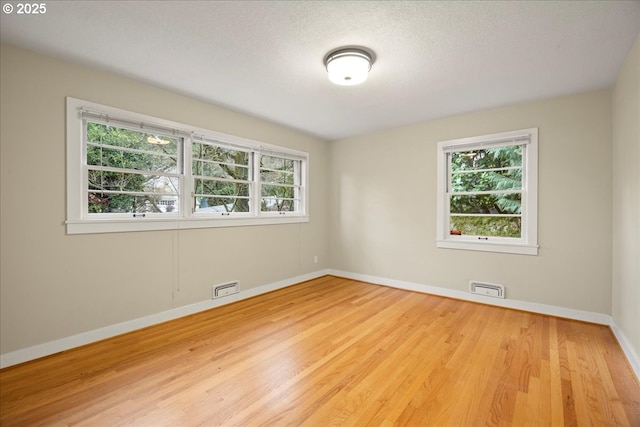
[277,191]
[278,198]
[214,161]
[488,158]
[487,204]
[132,182]
[274,204]
[277,163]
[217,170]
[130,203]
[131,139]
[117,158]
[219,154]
[222,204]
[207,187]
[486,226]
[502,179]
[277,177]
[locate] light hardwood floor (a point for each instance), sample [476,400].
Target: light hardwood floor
[333,351]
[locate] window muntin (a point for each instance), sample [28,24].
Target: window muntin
[487,193]
[130,171]
[280,181]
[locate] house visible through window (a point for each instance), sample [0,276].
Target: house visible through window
[487,193]
[130,172]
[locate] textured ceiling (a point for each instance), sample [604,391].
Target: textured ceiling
[264,58]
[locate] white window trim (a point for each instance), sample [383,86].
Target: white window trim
[528,244]
[78,222]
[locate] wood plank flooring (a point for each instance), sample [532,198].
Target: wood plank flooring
[332,352]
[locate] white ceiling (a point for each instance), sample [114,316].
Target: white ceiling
[264,58]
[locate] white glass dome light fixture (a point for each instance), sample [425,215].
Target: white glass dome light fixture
[348,66]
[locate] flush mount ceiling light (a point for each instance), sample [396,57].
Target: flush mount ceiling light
[348,66]
[157,141]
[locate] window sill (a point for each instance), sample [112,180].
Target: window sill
[501,247]
[148,224]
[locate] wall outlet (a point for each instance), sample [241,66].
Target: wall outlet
[315,259]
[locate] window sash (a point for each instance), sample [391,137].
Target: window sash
[202,199]
[130,150]
[138,199]
[237,203]
[287,203]
[448,150]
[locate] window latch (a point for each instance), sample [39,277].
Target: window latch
[139,215]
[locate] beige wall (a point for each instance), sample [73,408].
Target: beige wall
[383,190]
[54,285]
[626,198]
[372,209]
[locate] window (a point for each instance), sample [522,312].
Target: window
[221,178]
[487,193]
[130,172]
[281,188]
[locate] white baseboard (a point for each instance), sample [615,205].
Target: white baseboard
[586,316]
[52,347]
[569,313]
[628,350]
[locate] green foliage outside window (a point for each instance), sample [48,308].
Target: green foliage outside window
[217,171]
[129,171]
[278,180]
[119,148]
[487,183]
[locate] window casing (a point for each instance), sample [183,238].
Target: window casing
[132,172]
[487,193]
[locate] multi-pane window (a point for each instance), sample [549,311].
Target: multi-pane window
[222,178]
[280,180]
[487,197]
[485,192]
[130,172]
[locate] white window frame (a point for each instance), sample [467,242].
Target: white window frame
[527,244]
[299,187]
[79,221]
